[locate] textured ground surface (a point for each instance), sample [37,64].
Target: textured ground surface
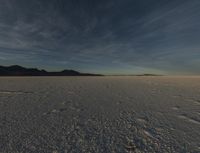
[99,114]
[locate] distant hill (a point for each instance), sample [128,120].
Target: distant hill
[149,75]
[16,70]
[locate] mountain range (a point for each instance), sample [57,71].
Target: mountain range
[16,70]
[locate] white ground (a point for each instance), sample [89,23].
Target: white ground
[99,114]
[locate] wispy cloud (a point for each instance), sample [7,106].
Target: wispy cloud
[129,36]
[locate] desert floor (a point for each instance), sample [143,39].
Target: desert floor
[99,114]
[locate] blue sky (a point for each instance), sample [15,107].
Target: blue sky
[102,36]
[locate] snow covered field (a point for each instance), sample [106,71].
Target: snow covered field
[99,114]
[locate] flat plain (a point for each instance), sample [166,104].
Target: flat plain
[99,114]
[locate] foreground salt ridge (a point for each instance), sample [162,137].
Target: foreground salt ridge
[109,114]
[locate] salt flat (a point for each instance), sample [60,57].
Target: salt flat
[99,114]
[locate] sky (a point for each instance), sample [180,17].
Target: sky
[102,36]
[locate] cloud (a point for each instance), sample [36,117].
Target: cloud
[125,35]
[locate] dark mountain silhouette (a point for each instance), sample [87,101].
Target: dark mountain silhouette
[16,70]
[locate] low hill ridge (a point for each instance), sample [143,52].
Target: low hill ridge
[16,70]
